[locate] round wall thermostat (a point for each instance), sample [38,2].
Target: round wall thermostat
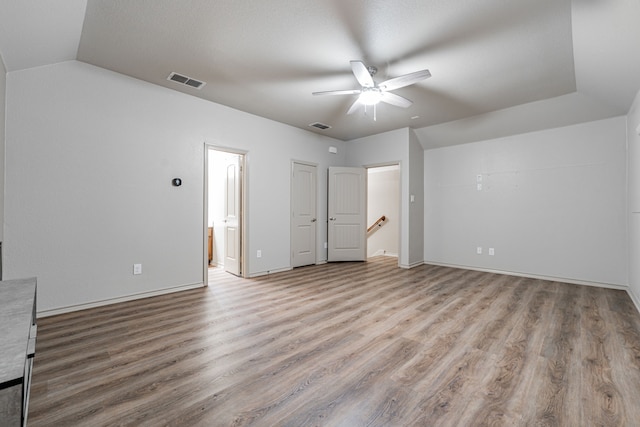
[176,182]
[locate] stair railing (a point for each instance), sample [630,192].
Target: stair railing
[379,223]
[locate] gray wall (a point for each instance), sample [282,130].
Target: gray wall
[553,203]
[90,158]
[633,128]
[3,84]
[416,207]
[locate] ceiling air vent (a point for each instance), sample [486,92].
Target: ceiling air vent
[188,81]
[320,126]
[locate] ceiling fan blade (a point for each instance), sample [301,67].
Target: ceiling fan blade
[338,92]
[405,80]
[354,106]
[397,100]
[362,74]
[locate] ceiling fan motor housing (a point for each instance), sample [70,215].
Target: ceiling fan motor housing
[370,95]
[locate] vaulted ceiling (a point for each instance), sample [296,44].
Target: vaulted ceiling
[498,67]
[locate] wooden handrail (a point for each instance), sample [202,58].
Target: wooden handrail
[378,223]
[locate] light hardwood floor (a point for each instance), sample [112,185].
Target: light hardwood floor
[347,344]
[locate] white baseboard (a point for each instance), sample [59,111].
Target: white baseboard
[78,307]
[265,273]
[383,252]
[634,299]
[535,276]
[412,265]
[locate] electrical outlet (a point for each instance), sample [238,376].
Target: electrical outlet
[259,253]
[479,250]
[492,251]
[137,269]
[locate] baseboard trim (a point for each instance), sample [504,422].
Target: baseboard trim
[78,307]
[634,299]
[535,276]
[266,273]
[412,265]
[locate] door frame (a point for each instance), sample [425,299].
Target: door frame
[400,207]
[244,259]
[315,165]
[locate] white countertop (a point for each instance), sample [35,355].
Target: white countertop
[16,311]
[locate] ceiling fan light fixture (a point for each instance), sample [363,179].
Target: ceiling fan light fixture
[370,96]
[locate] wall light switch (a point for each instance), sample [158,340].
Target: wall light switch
[137,268]
[478,178]
[479,250]
[259,253]
[413,198]
[492,251]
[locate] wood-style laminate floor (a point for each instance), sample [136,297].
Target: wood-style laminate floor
[346,344]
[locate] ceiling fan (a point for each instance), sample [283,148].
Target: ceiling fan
[371,93]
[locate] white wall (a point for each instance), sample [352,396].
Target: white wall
[553,203]
[90,156]
[3,83]
[416,206]
[633,141]
[383,198]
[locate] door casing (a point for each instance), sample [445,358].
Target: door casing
[244,260]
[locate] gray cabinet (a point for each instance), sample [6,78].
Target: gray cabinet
[17,348]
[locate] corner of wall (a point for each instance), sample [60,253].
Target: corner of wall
[633,200]
[635,299]
[416,201]
[3,103]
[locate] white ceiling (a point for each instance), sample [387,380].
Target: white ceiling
[557,62]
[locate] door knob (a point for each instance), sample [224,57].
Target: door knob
[313,220]
[332,219]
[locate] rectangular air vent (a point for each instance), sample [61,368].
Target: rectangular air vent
[320,126]
[187,81]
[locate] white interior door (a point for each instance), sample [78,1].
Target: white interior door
[347,214]
[303,214]
[232,249]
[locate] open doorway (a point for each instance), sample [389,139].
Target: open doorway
[383,211]
[224,203]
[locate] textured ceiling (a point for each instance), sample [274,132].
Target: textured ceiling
[266,57]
